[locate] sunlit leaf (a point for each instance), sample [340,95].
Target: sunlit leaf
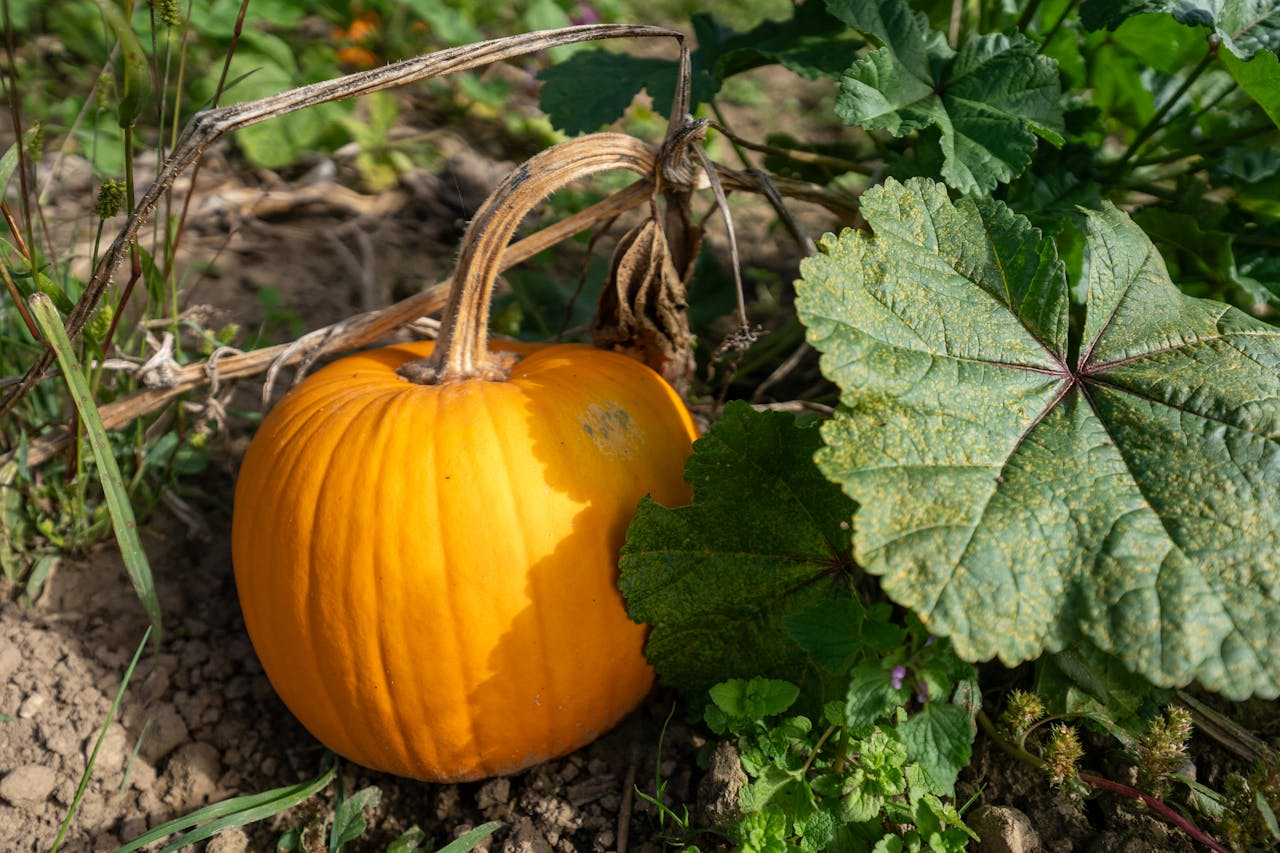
[989,100]
[1019,488]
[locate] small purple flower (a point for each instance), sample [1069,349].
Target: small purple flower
[586,14]
[922,691]
[896,676]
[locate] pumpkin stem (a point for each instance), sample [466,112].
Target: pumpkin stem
[462,349]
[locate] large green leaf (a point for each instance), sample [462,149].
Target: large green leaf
[1020,488]
[989,100]
[1243,26]
[767,538]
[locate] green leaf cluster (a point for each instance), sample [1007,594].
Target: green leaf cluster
[719,593]
[846,779]
[989,99]
[862,724]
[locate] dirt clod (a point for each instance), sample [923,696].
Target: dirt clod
[1004,829]
[719,789]
[28,785]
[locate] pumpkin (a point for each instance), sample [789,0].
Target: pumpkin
[425,540]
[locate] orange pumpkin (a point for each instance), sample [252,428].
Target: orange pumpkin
[427,571]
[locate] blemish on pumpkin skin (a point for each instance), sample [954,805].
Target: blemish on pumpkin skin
[610,428]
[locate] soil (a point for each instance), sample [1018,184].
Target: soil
[206,726]
[199,722]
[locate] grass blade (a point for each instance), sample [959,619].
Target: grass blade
[97,744]
[470,839]
[237,811]
[122,519]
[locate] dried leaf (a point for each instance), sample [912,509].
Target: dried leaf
[642,309]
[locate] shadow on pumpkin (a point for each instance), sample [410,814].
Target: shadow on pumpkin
[569,664]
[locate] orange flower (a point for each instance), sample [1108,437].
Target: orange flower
[363,30]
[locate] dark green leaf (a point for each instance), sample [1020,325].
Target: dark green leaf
[1096,14]
[989,100]
[1018,496]
[1196,252]
[830,632]
[717,589]
[811,43]
[577,100]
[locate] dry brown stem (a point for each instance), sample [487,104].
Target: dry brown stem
[358,331]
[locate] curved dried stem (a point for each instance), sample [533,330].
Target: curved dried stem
[208,126]
[358,331]
[462,351]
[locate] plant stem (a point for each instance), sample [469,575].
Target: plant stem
[1166,811]
[1102,784]
[16,296]
[1057,25]
[15,112]
[172,243]
[817,747]
[462,350]
[1154,123]
[1024,20]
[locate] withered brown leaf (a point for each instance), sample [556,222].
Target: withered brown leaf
[642,308]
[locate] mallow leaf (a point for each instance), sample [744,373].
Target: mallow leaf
[989,100]
[1024,485]
[1243,26]
[767,536]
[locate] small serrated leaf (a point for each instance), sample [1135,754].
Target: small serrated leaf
[940,739]
[989,100]
[872,695]
[745,700]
